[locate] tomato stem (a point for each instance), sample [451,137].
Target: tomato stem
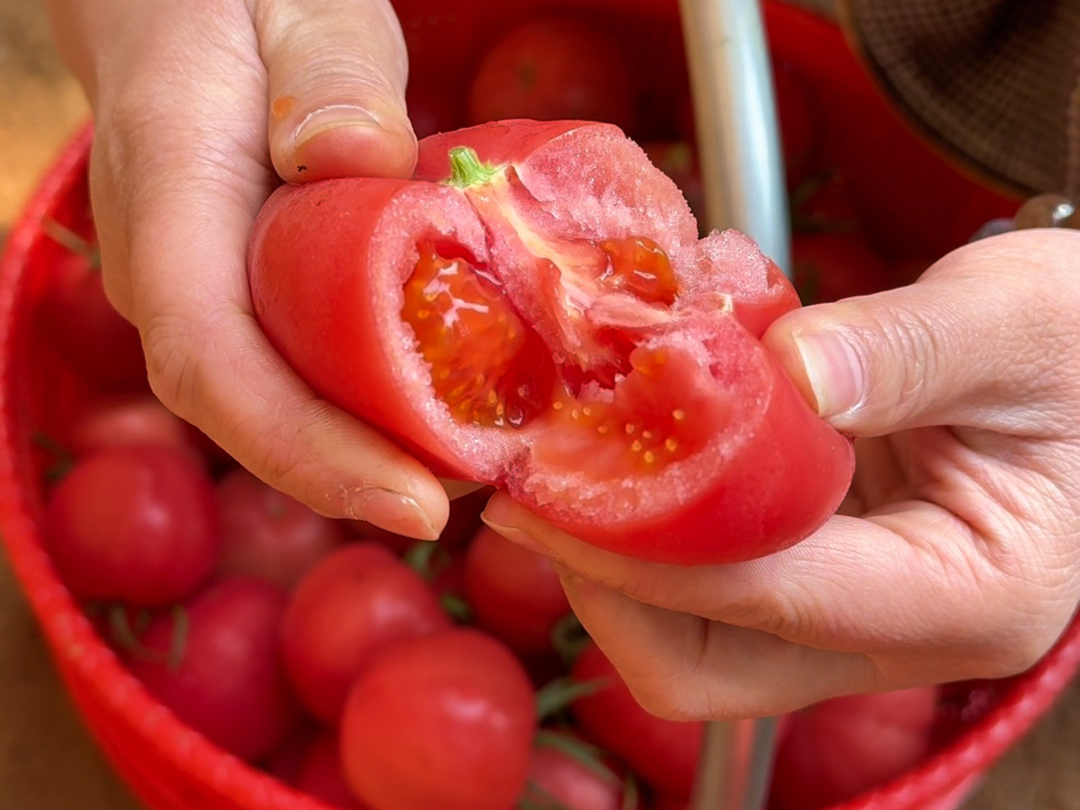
[557,695]
[569,638]
[580,751]
[70,240]
[466,168]
[456,607]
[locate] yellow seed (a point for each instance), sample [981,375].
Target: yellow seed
[630,429]
[671,445]
[443,374]
[522,391]
[431,295]
[574,413]
[587,410]
[602,429]
[678,415]
[423,314]
[555,406]
[637,446]
[649,457]
[646,435]
[492,397]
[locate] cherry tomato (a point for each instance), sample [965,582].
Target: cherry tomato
[320,775]
[444,722]
[354,605]
[664,753]
[134,524]
[832,266]
[552,69]
[267,534]
[112,419]
[537,312]
[218,667]
[515,593]
[567,773]
[433,109]
[843,747]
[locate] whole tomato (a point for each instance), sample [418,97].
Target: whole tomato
[664,753]
[840,748]
[134,524]
[265,533]
[567,773]
[352,606]
[832,266]
[535,311]
[552,69]
[515,593]
[444,722]
[217,665]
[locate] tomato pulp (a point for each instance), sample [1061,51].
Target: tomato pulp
[534,310]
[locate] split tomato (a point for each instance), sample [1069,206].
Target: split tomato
[535,311]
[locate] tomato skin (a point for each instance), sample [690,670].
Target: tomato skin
[444,722]
[332,322]
[320,775]
[843,747]
[515,593]
[353,606]
[553,69]
[267,534]
[229,684]
[134,524]
[663,752]
[575,785]
[84,326]
[832,266]
[111,419]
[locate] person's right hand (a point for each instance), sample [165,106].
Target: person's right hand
[199,109]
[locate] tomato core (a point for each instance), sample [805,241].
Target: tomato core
[487,365]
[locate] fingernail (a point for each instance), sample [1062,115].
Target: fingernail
[834,371]
[334,116]
[393,512]
[519,537]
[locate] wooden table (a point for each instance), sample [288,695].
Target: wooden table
[47,762]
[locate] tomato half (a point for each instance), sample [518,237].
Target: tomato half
[538,313]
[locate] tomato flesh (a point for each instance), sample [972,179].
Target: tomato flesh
[640,267]
[492,369]
[483,357]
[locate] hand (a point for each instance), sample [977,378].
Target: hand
[958,553]
[199,109]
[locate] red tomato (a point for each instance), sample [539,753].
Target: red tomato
[515,593]
[795,116]
[549,322]
[351,607]
[433,110]
[553,69]
[82,324]
[832,266]
[320,775]
[440,723]
[664,753]
[285,763]
[112,420]
[843,747]
[225,679]
[134,524]
[665,802]
[825,202]
[267,534]
[563,773]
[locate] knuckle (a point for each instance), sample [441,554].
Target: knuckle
[171,363]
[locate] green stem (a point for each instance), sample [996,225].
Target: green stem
[588,756]
[466,168]
[558,694]
[569,638]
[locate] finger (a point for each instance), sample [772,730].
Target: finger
[184,175]
[907,587]
[985,339]
[337,73]
[682,667]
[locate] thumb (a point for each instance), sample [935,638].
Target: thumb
[986,338]
[337,73]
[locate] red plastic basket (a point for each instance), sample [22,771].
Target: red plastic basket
[169,766]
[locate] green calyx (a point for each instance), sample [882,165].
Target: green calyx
[466,168]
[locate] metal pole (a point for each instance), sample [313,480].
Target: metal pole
[742,171]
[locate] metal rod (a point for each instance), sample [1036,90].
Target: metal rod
[742,172]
